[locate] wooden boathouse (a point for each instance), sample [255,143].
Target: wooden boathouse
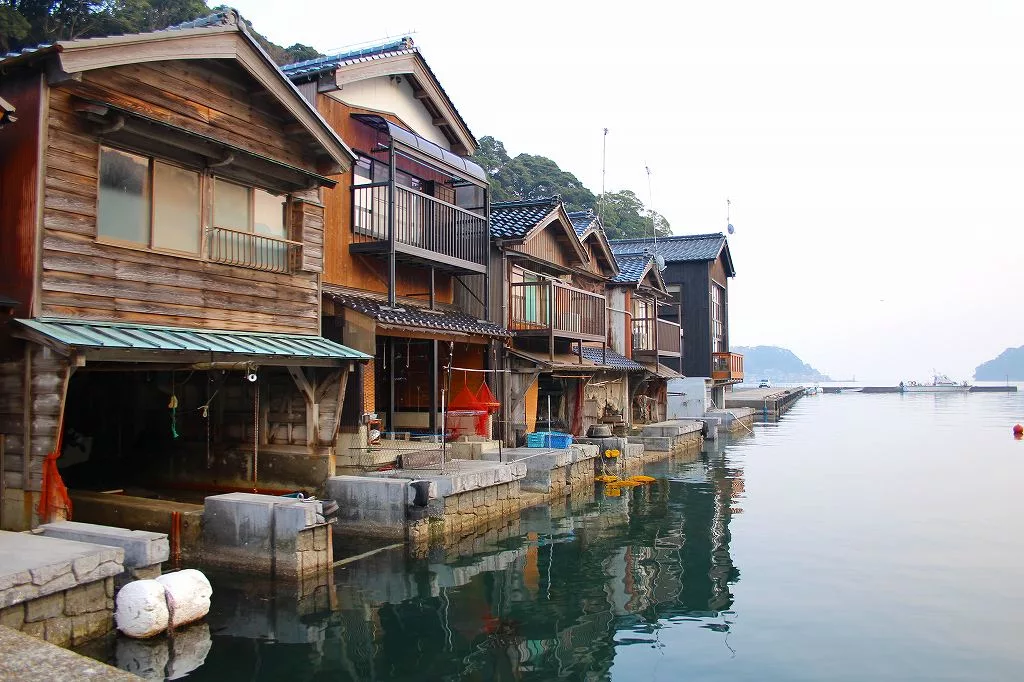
[160,205]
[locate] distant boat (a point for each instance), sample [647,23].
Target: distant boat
[940,384]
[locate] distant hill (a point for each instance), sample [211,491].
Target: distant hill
[1007,365]
[777,364]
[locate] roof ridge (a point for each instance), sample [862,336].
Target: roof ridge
[553,200]
[671,237]
[403,43]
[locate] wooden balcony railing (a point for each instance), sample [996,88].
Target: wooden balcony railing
[669,341]
[556,309]
[727,367]
[421,221]
[248,250]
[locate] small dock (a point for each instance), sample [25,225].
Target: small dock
[897,389]
[768,403]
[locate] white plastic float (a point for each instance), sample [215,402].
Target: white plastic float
[146,608]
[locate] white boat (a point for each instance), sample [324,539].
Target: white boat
[940,384]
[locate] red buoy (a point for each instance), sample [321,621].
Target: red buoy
[1018,430]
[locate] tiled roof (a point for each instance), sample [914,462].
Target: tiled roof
[416,316]
[313,67]
[612,359]
[515,219]
[691,247]
[304,70]
[582,220]
[631,267]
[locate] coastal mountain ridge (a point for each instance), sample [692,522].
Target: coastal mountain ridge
[775,363]
[1007,366]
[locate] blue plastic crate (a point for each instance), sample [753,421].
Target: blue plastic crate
[548,439]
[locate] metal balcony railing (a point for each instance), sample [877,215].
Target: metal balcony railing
[556,309]
[249,250]
[421,221]
[727,367]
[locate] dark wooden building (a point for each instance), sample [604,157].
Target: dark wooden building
[697,272]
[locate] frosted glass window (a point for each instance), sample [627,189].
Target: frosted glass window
[123,211]
[231,206]
[268,214]
[175,208]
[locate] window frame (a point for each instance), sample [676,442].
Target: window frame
[151,162]
[207,178]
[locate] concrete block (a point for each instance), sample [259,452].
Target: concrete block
[85,599]
[657,444]
[141,548]
[59,631]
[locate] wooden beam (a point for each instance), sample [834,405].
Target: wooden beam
[305,388]
[342,387]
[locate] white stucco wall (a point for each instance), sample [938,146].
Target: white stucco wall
[393,95]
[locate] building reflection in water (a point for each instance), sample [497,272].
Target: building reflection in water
[552,594]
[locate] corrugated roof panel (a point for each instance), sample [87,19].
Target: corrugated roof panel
[108,335]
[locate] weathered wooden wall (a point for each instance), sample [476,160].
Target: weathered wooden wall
[19,189]
[696,316]
[31,399]
[88,279]
[546,246]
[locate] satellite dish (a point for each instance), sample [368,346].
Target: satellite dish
[731,229]
[660,260]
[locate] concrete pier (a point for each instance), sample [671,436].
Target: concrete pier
[552,471]
[772,403]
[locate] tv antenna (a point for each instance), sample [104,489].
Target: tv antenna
[728,224]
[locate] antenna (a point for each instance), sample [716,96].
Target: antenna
[604,167]
[728,224]
[650,207]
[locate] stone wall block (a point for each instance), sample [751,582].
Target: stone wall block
[12,579]
[50,606]
[86,599]
[58,631]
[304,541]
[13,616]
[90,625]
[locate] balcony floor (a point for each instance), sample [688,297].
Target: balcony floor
[417,257]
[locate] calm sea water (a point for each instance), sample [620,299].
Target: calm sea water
[862,537]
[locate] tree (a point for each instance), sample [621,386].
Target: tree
[534,177]
[624,216]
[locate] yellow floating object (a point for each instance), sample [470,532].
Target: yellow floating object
[643,479]
[611,454]
[624,484]
[612,491]
[606,478]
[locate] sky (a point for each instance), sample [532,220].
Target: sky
[873,152]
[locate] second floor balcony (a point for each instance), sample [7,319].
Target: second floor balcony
[426,229]
[654,337]
[727,367]
[556,310]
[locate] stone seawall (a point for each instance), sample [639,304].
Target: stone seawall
[58,590]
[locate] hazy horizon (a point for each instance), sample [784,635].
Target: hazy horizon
[872,152]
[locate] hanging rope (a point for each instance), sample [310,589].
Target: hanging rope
[256,436]
[172,404]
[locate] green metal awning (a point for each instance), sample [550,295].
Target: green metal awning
[110,341]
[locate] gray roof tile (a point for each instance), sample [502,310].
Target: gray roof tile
[416,316]
[515,219]
[631,267]
[582,220]
[612,359]
[677,248]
